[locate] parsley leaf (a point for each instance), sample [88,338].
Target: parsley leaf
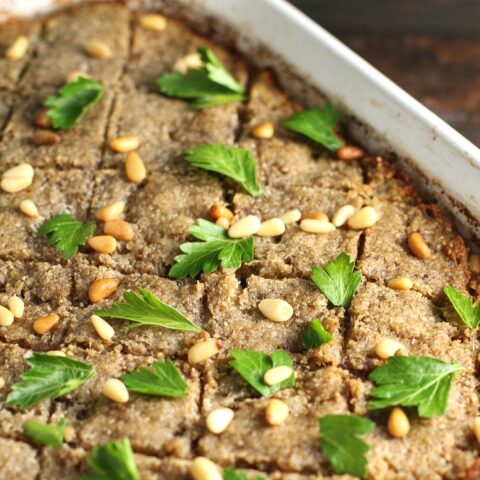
[66,233]
[49,377]
[463,305]
[338,280]
[422,382]
[236,163]
[113,461]
[231,474]
[44,434]
[162,379]
[252,365]
[216,250]
[340,443]
[207,86]
[317,124]
[314,336]
[145,308]
[74,99]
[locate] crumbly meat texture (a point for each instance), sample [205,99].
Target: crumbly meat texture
[80,175]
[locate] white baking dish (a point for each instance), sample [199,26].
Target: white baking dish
[434,153]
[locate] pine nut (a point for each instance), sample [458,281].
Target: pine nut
[97,49]
[316,216]
[135,168]
[45,324]
[102,288]
[292,216]
[277,375]
[202,351]
[28,208]
[276,412]
[476,428]
[125,144]
[349,152]
[264,131]
[219,211]
[204,469]
[474,262]
[56,353]
[17,178]
[103,328]
[153,21]
[119,229]
[2,382]
[387,347]
[219,419]
[18,48]
[16,306]
[110,212]
[418,246]
[74,75]
[400,283]
[45,137]
[271,228]
[316,226]
[342,215]
[223,222]
[42,120]
[115,390]
[245,227]
[102,243]
[190,61]
[6,317]
[398,424]
[364,218]
[275,309]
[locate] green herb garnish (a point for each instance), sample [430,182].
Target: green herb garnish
[341,445]
[231,474]
[314,336]
[45,434]
[66,234]
[145,308]
[236,163]
[215,250]
[463,305]
[49,377]
[337,280]
[422,382]
[74,99]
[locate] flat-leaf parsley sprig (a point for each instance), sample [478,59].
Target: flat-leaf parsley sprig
[463,305]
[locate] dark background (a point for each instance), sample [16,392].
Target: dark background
[431,48]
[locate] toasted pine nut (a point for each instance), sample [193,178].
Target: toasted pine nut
[276,412]
[114,389]
[364,218]
[316,226]
[292,216]
[316,216]
[102,243]
[2,382]
[17,178]
[125,144]
[219,419]
[18,48]
[398,424]
[16,306]
[400,283]
[135,168]
[28,208]
[218,211]
[190,61]
[349,152]
[342,215]
[271,228]
[97,49]
[102,288]
[103,328]
[42,120]
[119,229]
[74,75]
[474,262]
[204,469]
[202,351]
[387,347]
[223,222]
[264,130]
[418,246]
[6,317]
[275,309]
[277,375]
[45,137]
[56,353]
[244,227]
[45,324]
[476,428]
[110,212]
[153,21]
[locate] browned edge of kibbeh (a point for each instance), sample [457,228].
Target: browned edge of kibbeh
[123,168]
